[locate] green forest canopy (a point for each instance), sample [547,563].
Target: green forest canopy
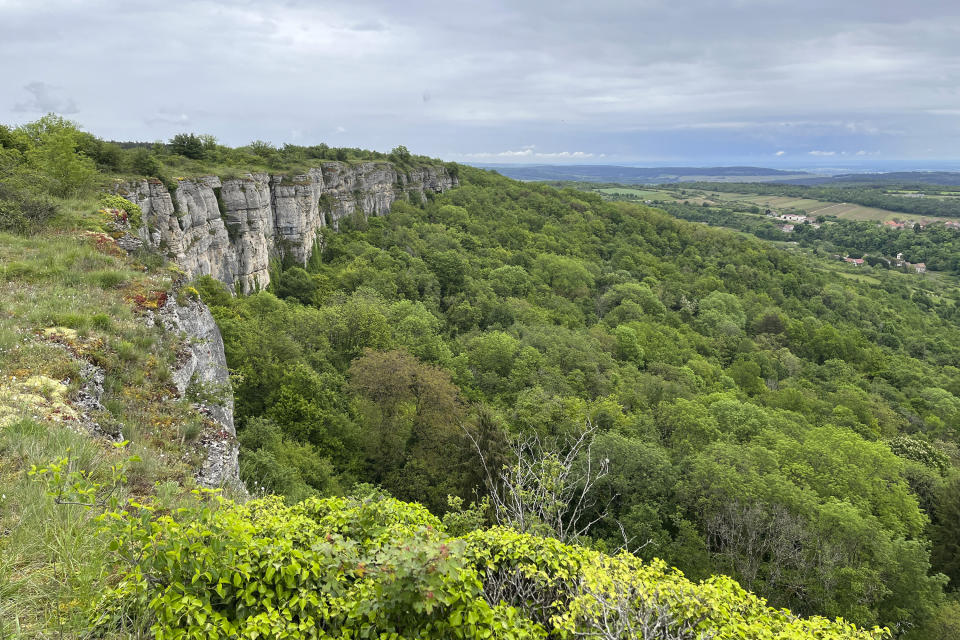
[797,433]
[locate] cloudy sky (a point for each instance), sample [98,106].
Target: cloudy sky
[792,83]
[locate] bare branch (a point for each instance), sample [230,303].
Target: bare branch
[547,489]
[628,611]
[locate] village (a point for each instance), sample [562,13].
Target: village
[797,218]
[898,262]
[802,218]
[791,220]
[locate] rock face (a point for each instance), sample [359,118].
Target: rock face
[202,374]
[232,228]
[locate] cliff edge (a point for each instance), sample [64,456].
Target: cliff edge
[201,375]
[230,228]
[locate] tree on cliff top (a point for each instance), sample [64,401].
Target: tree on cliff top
[191,145]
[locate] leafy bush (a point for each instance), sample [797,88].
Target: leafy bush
[378,567]
[134,212]
[145,163]
[61,169]
[23,212]
[324,568]
[188,145]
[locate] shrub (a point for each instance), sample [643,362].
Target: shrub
[325,568]
[133,211]
[110,278]
[64,172]
[145,163]
[188,145]
[378,567]
[22,212]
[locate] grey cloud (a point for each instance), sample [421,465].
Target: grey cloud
[636,79]
[529,154]
[368,25]
[168,116]
[45,98]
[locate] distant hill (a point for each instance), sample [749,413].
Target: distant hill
[646,175]
[667,175]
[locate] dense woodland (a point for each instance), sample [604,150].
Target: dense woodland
[935,245]
[739,413]
[759,419]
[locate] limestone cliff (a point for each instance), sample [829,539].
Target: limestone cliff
[230,228]
[201,373]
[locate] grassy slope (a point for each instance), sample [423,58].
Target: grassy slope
[51,563]
[236,162]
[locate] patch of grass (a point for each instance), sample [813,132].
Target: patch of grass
[640,194]
[79,213]
[53,562]
[102,322]
[126,351]
[50,561]
[110,278]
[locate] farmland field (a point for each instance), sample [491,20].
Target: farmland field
[778,204]
[842,210]
[643,194]
[936,195]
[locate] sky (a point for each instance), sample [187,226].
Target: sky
[805,83]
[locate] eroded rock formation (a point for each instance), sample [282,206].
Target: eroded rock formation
[231,228]
[201,373]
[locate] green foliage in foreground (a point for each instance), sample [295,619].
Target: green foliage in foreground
[380,568]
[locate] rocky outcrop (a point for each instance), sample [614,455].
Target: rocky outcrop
[201,375]
[231,228]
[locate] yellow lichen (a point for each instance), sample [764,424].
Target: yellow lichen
[38,396]
[71,339]
[63,333]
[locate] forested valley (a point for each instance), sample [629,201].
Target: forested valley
[759,418]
